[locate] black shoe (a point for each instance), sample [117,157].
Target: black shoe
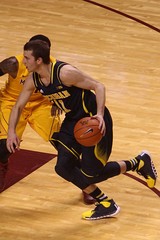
[105,209]
[146,168]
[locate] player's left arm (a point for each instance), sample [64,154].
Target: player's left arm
[71,76]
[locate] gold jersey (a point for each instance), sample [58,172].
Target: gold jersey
[37,112]
[13,86]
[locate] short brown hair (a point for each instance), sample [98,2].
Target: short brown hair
[40,49]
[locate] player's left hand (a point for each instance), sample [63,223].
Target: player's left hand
[55,110]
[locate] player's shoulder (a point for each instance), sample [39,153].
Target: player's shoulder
[67,68]
[10,61]
[14,61]
[62,64]
[9,65]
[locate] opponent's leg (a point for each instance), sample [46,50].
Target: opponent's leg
[5,110]
[4,155]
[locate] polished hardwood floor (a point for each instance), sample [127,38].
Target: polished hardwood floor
[121,49]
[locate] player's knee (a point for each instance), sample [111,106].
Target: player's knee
[112,169]
[63,172]
[4,153]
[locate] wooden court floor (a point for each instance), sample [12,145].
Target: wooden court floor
[117,42]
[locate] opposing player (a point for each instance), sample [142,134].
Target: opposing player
[72,91]
[37,111]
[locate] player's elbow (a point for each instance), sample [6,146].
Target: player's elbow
[100,88]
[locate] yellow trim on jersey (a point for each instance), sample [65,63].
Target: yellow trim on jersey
[34,79]
[53,61]
[39,79]
[57,103]
[51,76]
[60,65]
[83,104]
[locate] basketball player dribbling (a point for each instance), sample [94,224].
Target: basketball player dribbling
[37,112]
[72,91]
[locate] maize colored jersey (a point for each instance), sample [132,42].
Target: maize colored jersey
[37,111]
[13,86]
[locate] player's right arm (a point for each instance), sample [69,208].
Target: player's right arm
[9,66]
[12,140]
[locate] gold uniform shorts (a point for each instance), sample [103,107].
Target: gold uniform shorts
[37,114]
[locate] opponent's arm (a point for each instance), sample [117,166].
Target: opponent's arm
[9,66]
[12,139]
[71,76]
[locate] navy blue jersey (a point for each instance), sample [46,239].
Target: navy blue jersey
[74,101]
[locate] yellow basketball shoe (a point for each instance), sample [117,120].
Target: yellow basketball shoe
[105,209]
[146,168]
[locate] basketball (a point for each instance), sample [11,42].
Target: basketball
[86,132]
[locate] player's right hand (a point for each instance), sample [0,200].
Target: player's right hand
[102,126]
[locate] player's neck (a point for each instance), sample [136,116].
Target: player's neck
[45,71]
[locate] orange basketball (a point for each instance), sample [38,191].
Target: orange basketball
[86,132]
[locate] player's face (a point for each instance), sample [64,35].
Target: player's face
[29,61]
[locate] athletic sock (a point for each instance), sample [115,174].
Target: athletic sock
[98,195]
[132,164]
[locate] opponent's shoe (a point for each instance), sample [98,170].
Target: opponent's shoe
[87,199]
[146,168]
[105,209]
[3,171]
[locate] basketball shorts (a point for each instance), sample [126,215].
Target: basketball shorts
[37,114]
[93,159]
